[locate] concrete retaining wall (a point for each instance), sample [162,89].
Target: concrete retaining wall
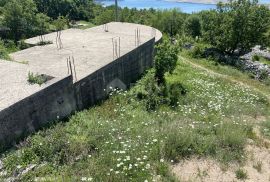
[120,73]
[26,116]
[62,98]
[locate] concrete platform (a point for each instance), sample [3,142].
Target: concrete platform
[91,48]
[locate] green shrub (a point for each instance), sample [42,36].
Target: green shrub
[165,60]
[198,50]
[266,128]
[241,174]
[3,51]
[255,58]
[10,46]
[154,95]
[174,92]
[264,75]
[148,91]
[36,78]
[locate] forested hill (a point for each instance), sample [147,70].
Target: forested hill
[197,115]
[227,28]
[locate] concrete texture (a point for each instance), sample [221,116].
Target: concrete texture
[31,113]
[26,108]
[91,48]
[118,74]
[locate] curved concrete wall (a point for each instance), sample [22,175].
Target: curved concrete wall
[62,98]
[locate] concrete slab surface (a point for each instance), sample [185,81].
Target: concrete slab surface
[91,48]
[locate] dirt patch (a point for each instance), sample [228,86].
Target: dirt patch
[257,168]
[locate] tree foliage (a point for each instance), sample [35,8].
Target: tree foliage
[74,9]
[19,17]
[237,25]
[60,23]
[165,60]
[193,26]
[168,21]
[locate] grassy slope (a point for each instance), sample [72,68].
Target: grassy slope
[229,73]
[121,141]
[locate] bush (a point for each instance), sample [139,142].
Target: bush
[264,75]
[3,51]
[174,92]
[154,95]
[198,50]
[10,46]
[241,174]
[36,78]
[193,26]
[266,128]
[149,91]
[165,60]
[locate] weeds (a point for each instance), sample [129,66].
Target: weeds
[3,51]
[36,78]
[198,50]
[122,141]
[241,174]
[266,128]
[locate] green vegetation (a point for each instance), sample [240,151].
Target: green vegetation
[36,78]
[193,26]
[17,16]
[266,128]
[241,174]
[121,140]
[181,108]
[198,50]
[165,60]
[228,28]
[261,59]
[3,51]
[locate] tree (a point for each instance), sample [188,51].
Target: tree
[165,60]
[73,9]
[105,16]
[3,2]
[193,26]
[267,38]
[168,21]
[19,17]
[60,24]
[42,25]
[237,25]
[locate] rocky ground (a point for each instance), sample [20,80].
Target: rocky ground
[255,66]
[245,62]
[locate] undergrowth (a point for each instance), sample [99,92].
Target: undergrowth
[122,140]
